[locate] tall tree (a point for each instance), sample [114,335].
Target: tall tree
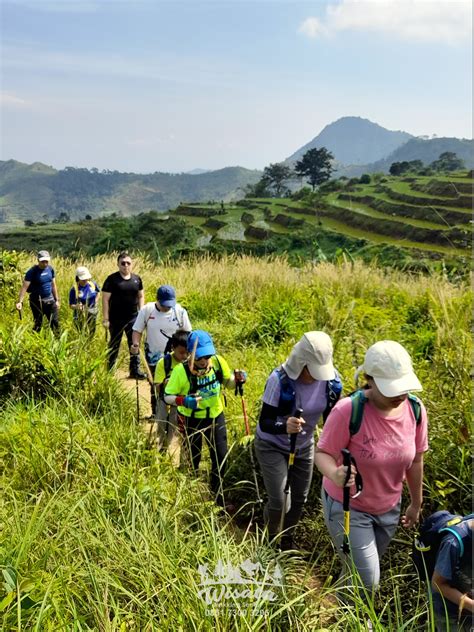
[315,166]
[448,161]
[275,176]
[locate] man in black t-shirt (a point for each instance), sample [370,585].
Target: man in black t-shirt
[122,298]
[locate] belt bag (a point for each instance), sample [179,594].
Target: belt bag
[47,301]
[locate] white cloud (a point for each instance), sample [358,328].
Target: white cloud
[312,27]
[421,20]
[60,6]
[11,100]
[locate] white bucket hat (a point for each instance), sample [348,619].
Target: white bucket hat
[313,350]
[390,366]
[83,273]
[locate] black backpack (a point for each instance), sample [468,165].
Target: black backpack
[431,534]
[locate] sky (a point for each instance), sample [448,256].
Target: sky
[150,85]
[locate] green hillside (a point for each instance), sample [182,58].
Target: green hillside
[432,214]
[413,222]
[40,193]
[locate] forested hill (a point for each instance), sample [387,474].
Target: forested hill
[39,192]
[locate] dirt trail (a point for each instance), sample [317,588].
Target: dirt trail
[148,424]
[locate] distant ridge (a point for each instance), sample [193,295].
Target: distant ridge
[355,141]
[38,192]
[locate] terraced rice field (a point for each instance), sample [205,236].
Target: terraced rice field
[427,213]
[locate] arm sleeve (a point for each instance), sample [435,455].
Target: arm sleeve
[225,368]
[269,420]
[72,296]
[139,325]
[335,434]
[178,383]
[140,283]
[447,558]
[160,372]
[30,275]
[108,285]
[186,322]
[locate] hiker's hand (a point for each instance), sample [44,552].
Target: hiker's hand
[411,516]
[19,306]
[58,303]
[294,424]
[240,377]
[339,476]
[106,323]
[190,401]
[135,349]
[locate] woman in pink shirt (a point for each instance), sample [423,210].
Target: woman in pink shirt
[387,448]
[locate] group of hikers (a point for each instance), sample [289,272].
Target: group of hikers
[370,444]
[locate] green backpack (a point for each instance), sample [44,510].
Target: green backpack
[358,399]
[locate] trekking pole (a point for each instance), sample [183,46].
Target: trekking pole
[151,381]
[291,460]
[20,314]
[347,461]
[239,388]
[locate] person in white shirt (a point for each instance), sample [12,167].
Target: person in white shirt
[160,320]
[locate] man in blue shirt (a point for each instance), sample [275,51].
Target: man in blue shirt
[40,284]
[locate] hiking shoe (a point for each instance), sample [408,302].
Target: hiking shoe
[137,375]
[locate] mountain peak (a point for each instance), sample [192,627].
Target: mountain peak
[355,141]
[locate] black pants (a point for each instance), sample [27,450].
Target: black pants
[49,310]
[215,433]
[116,331]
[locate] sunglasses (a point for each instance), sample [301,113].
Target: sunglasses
[125,263]
[204,358]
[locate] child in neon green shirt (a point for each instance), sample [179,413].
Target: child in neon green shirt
[166,422]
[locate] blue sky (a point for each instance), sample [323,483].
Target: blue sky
[148,85]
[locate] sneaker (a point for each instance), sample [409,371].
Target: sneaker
[137,375]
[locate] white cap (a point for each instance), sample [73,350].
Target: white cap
[390,366]
[43,255]
[83,273]
[314,351]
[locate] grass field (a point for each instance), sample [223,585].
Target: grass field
[101,533]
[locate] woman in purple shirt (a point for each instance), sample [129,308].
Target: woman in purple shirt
[306,380]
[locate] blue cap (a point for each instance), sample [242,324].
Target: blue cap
[205,346]
[166,295]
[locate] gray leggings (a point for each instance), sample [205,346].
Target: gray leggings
[369,538]
[274,465]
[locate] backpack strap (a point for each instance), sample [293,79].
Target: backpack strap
[458,538]
[358,399]
[416,407]
[218,369]
[287,400]
[333,393]
[167,361]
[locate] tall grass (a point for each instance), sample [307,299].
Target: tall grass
[100,533]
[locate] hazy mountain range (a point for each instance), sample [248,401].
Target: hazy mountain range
[40,192]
